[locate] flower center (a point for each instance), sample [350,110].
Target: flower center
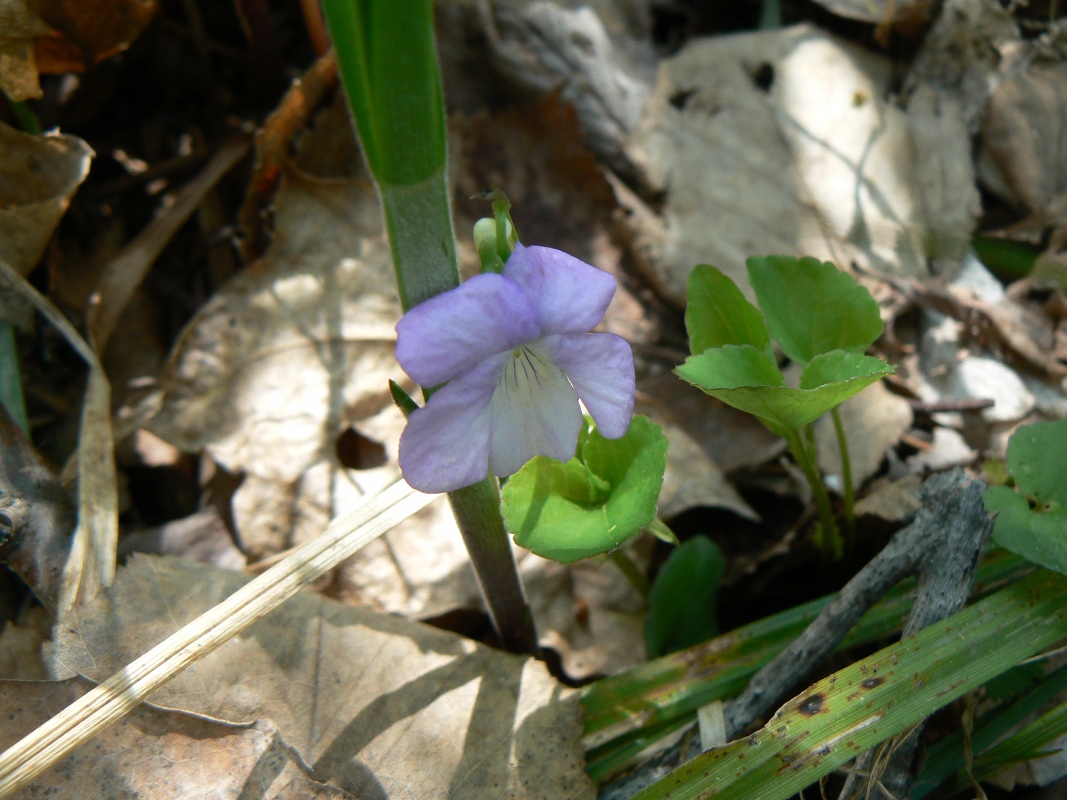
[526,375]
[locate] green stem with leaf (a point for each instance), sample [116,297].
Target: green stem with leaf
[387,59]
[829,537]
[846,477]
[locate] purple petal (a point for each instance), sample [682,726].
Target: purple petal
[535,413]
[601,367]
[570,295]
[445,445]
[448,335]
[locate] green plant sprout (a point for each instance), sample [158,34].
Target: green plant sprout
[1033,520]
[823,320]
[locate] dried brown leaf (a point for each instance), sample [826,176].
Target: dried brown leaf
[372,702]
[154,753]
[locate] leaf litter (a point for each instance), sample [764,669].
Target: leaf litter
[888,187]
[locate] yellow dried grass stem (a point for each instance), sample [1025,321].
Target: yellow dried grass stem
[120,693]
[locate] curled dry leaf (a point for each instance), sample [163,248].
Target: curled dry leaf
[19,26]
[152,753]
[63,36]
[86,32]
[377,705]
[41,174]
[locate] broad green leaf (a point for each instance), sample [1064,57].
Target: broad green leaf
[741,377]
[1035,461]
[730,367]
[1041,537]
[717,314]
[876,698]
[684,599]
[840,365]
[812,307]
[555,510]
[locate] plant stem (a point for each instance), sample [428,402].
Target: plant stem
[418,218]
[829,539]
[387,59]
[846,476]
[632,573]
[477,511]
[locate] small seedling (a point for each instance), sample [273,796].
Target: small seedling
[821,319]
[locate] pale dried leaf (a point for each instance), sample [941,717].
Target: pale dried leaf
[774,142]
[156,754]
[893,501]
[372,702]
[1025,133]
[873,421]
[853,152]
[945,172]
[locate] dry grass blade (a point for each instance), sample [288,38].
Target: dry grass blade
[114,698]
[124,274]
[92,556]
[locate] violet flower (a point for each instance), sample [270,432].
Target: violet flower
[516,354]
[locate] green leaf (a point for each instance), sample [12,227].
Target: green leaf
[684,598]
[812,307]
[840,365]
[717,314]
[741,377]
[1041,537]
[730,367]
[592,503]
[1035,461]
[388,66]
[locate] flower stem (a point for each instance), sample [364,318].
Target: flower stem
[477,511]
[632,573]
[829,538]
[387,59]
[846,476]
[418,218]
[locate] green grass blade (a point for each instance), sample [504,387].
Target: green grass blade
[876,698]
[676,685]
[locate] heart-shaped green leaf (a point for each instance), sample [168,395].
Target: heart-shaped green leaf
[812,307]
[1041,537]
[743,378]
[592,503]
[717,314]
[684,599]
[1035,461]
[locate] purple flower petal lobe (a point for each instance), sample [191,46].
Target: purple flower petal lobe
[448,335]
[570,296]
[445,445]
[534,412]
[601,367]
